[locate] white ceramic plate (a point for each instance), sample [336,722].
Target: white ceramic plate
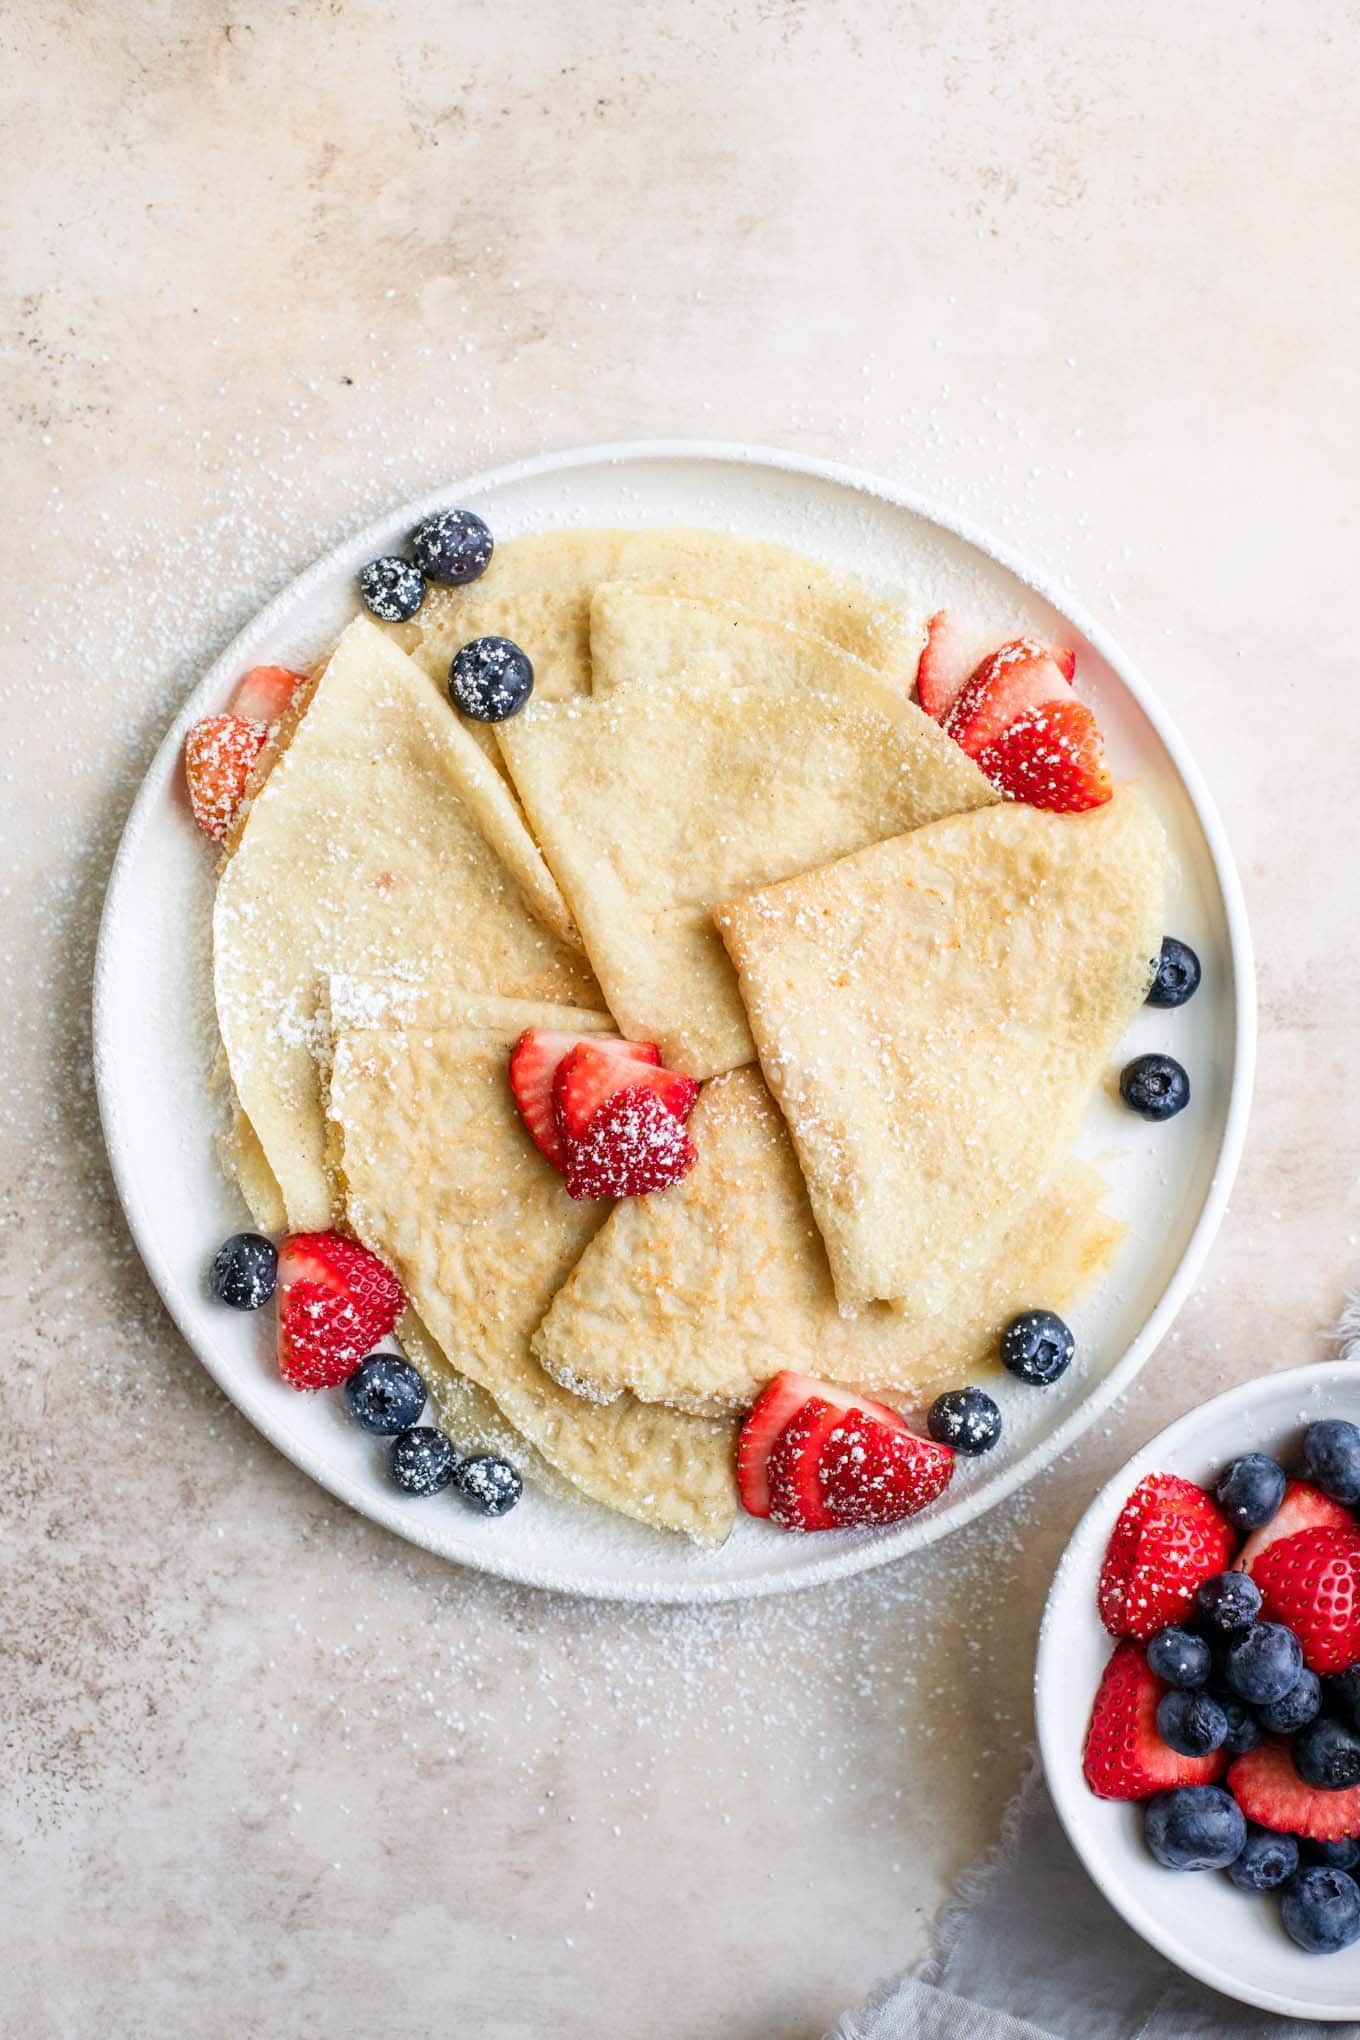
[1229,1939]
[154,1031]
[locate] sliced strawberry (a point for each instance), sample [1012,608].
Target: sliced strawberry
[336,1301]
[872,1474]
[1169,1538]
[632,1147]
[792,1468]
[587,1076]
[1053,757]
[772,1411]
[1311,1583]
[534,1061]
[219,755]
[951,653]
[1019,677]
[265,692]
[1065,660]
[1303,1508]
[1270,1791]
[1125,1757]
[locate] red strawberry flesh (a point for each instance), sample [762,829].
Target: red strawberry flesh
[632,1147]
[1303,1508]
[534,1062]
[588,1077]
[1018,678]
[772,1411]
[1168,1539]
[219,757]
[1051,758]
[1270,1791]
[1125,1757]
[792,1469]
[265,692]
[336,1300]
[872,1475]
[1311,1583]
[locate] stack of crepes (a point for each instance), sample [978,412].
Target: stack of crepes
[722,825]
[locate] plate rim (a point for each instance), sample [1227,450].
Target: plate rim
[1067,1578]
[922,1531]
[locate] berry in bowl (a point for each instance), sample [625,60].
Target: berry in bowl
[1198,1692]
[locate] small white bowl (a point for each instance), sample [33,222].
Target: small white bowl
[1229,1939]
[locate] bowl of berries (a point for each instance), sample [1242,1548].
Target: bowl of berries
[1197,1692]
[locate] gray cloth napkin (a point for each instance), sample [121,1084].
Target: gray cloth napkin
[1031,1951]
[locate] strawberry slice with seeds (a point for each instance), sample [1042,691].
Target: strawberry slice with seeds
[632,1147]
[949,657]
[534,1062]
[1125,1757]
[265,692]
[336,1301]
[771,1412]
[1304,1508]
[219,757]
[1052,757]
[1012,681]
[870,1474]
[1270,1791]
[1169,1538]
[588,1076]
[1311,1583]
[796,1501]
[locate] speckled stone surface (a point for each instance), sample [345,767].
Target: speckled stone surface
[1086,276]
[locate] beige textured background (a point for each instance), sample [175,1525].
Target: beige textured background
[1089,275]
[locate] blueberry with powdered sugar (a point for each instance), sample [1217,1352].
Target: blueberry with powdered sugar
[391,588]
[490,1484]
[490,679]
[452,547]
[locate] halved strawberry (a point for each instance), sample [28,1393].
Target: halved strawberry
[1125,1757]
[534,1061]
[265,692]
[632,1147]
[772,1411]
[951,654]
[219,755]
[1303,1508]
[1270,1791]
[1311,1583]
[1013,680]
[1053,757]
[1169,1538]
[588,1076]
[870,1473]
[336,1301]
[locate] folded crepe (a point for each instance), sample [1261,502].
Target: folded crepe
[358,853]
[642,631]
[728,1280]
[933,1014]
[444,1184]
[654,801]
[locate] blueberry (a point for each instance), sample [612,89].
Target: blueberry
[385,1394]
[423,1461]
[1037,1346]
[1198,1827]
[1331,1458]
[1343,1855]
[1267,1860]
[1264,1663]
[1191,1724]
[452,546]
[1177,976]
[243,1271]
[1180,1658]
[1244,1730]
[1327,1754]
[1227,1603]
[1321,1910]
[965,1418]
[1155,1086]
[490,679]
[1250,1490]
[1299,1706]
[1342,1693]
[391,588]
[490,1484]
